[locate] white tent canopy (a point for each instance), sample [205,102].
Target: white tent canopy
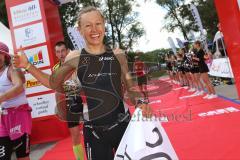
[6,37]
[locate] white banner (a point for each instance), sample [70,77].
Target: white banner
[42,105]
[221,68]
[145,139]
[196,17]
[171,43]
[198,22]
[25,13]
[76,38]
[180,43]
[29,35]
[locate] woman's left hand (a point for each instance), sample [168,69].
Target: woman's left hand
[146,110]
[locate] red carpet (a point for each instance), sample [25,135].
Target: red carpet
[198,129]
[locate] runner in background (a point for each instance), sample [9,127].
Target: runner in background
[15,116]
[140,70]
[70,109]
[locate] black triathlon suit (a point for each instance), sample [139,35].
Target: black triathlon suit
[203,68]
[100,77]
[195,68]
[187,62]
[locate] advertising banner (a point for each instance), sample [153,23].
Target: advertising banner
[42,105]
[25,13]
[221,68]
[33,86]
[29,35]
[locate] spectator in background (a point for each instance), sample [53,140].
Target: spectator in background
[73,105]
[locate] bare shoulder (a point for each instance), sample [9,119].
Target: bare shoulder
[73,54]
[72,58]
[119,53]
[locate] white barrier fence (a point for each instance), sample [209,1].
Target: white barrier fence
[221,68]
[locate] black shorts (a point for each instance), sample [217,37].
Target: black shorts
[187,69]
[21,146]
[74,110]
[195,70]
[203,69]
[101,143]
[142,80]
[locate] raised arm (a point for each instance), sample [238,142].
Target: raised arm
[55,80]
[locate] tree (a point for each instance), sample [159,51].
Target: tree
[3,13]
[134,33]
[123,24]
[179,16]
[174,19]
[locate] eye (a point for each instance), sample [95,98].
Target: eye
[87,25]
[98,23]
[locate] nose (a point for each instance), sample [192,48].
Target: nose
[94,28]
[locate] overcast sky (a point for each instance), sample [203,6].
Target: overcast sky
[152,19]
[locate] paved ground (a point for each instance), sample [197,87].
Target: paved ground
[228,91]
[38,151]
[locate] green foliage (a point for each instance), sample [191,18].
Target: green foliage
[123,27]
[3,13]
[208,15]
[155,56]
[179,16]
[173,18]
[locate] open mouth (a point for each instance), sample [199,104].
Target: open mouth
[95,36]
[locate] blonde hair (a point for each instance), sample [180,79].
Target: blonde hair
[86,10]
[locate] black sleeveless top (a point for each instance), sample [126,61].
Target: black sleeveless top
[100,77]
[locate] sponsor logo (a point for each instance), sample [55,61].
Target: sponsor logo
[85,60]
[32,83]
[30,35]
[36,58]
[2,151]
[106,58]
[26,12]
[16,129]
[28,32]
[219,112]
[101,74]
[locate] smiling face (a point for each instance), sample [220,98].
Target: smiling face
[92,28]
